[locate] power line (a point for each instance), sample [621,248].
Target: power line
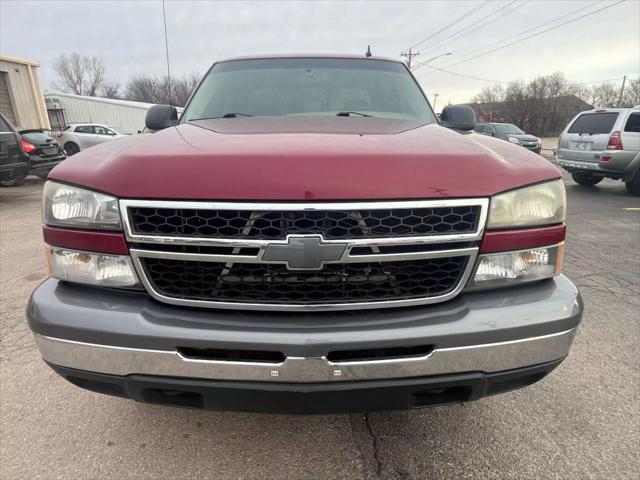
[575,19]
[599,81]
[466,14]
[464,75]
[502,40]
[505,82]
[502,11]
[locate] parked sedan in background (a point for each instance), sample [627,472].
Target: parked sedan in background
[80,136]
[44,151]
[14,163]
[511,133]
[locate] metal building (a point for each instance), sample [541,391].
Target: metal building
[125,116]
[21,97]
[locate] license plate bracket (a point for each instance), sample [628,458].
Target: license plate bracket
[580,146]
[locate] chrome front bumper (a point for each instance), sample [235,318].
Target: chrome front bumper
[487,358]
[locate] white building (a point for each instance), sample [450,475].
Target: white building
[125,116]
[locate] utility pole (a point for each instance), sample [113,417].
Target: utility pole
[435,98]
[409,56]
[624,80]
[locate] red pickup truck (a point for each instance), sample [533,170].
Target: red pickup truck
[307,237]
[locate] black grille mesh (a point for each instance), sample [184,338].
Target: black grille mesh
[274,284]
[331,224]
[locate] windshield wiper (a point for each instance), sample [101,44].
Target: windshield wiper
[348,114]
[236,114]
[226,115]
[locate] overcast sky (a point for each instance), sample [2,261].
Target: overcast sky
[129,36]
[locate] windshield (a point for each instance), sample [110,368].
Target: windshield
[507,128]
[309,87]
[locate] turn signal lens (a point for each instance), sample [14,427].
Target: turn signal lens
[508,268]
[91,268]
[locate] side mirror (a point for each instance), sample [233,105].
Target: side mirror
[160,117]
[458,117]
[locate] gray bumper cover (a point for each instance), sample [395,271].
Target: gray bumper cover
[117,333]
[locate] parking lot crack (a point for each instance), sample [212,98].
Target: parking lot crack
[367,444]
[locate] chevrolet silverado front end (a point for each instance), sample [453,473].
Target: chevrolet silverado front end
[306,239]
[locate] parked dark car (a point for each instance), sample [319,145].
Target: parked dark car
[511,133]
[44,151]
[14,163]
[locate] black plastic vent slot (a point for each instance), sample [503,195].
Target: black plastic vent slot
[442,396]
[177,398]
[392,353]
[219,354]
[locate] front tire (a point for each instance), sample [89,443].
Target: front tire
[633,185]
[586,179]
[71,148]
[13,181]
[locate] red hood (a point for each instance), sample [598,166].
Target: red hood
[307,161]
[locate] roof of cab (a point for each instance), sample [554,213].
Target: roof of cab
[310,55]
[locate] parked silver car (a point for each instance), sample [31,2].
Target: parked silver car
[602,143]
[79,136]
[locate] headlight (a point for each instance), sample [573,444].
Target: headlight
[67,206]
[542,204]
[514,140]
[91,268]
[502,269]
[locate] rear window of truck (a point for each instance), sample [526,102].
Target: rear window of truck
[594,123]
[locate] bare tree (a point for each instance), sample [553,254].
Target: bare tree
[518,101]
[156,89]
[145,89]
[181,89]
[631,95]
[490,94]
[79,74]
[605,95]
[545,104]
[110,89]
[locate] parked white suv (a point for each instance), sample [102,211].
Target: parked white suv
[600,143]
[79,136]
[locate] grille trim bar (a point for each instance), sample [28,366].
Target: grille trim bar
[125,205]
[140,252]
[346,258]
[471,253]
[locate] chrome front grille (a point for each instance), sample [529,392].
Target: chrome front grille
[275,284]
[331,224]
[311,256]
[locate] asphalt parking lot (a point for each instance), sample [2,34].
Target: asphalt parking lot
[580,422]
